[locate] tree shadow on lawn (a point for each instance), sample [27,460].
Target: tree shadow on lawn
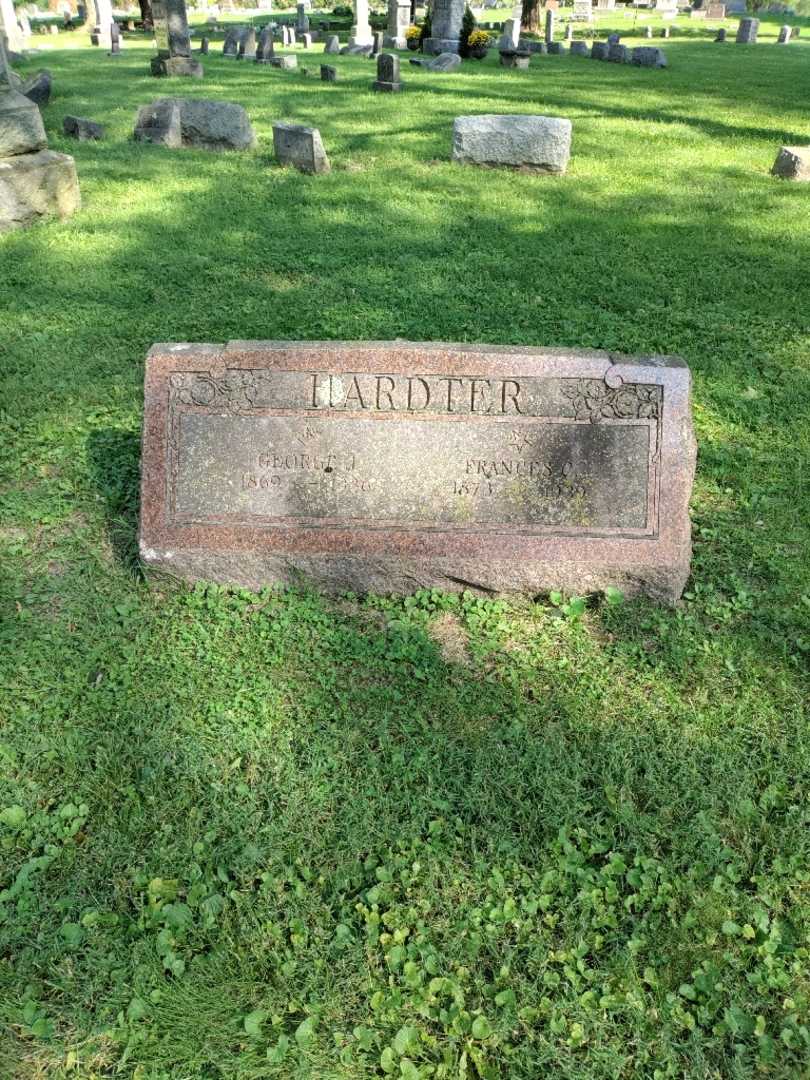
[224,739]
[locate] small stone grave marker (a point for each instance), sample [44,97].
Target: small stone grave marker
[300,146]
[387,73]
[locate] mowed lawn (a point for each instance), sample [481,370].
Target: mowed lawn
[277,835]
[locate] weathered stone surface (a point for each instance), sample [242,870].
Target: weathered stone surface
[535,142]
[387,73]
[784,36]
[175,67]
[21,128]
[265,49]
[649,56]
[332,44]
[208,125]
[510,38]
[446,27]
[747,31]
[579,48]
[556,48]
[286,63]
[792,163]
[38,88]
[444,62]
[619,54]
[599,50]
[361,30]
[37,185]
[76,127]
[247,45]
[511,59]
[721,35]
[390,467]
[301,147]
[328,73]
[399,19]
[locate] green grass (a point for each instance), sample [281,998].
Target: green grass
[278,836]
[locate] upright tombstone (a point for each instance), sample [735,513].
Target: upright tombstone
[301,19]
[115,39]
[510,38]
[306,41]
[265,48]
[721,35]
[389,467]
[648,32]
[784,36]
[361,30]
[173,41]
[377,38]
[247,45]
[747,32]
[387,73]
[332,44]
[445,27]
[583,11]
[550,15]
[101,10]
[300,147]
[569,32]
[230,46]
[10,27]
[204,45]
[399,19]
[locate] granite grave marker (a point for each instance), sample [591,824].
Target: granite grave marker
[390,467]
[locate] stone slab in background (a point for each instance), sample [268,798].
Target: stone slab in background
[176,66]
[747,31]
[77,127]
[792,163]
[391,466]
[542,143]
[37,185]
[38,88]
[301,147]
[444,62]
[21,127]
[649,56]
[195,122]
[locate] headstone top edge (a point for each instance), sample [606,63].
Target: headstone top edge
[367,356]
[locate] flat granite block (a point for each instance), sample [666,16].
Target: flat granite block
[391,466]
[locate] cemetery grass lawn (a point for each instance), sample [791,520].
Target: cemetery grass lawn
[280,836]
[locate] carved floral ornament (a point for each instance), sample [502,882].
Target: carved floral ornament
[232,390]
[594,400]
[589,399]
